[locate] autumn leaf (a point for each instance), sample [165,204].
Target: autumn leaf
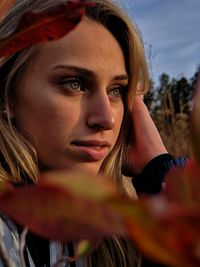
[144,228]
[167,227]
[34,28]
[183,185]
[5,5]
[76,205]
[65,206]
[166,233]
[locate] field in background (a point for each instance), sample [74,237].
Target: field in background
[175,132]
[173,126]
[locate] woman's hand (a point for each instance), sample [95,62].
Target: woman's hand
[147,143]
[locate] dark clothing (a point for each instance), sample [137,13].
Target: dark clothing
[150,180]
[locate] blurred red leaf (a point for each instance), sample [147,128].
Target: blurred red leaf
[147,231]
[183,185]
[65,206]
[5,5]
[166,232]
[71,206]
[167,227]
[34,28]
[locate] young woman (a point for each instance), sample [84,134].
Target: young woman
[68,103]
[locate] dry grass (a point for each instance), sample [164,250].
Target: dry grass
[174,129]
[175,133]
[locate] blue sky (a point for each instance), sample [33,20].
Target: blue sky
[171,33]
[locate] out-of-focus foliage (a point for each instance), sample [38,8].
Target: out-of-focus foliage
[72,205]
[34,28]
[65,206]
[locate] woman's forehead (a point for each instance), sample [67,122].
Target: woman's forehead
[89,45]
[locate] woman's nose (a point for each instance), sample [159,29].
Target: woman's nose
[100,114]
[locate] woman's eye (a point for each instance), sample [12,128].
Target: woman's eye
[118,91]
[72,85]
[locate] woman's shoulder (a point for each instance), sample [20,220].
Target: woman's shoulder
[9,239]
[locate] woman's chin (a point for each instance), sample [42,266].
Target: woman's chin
[91,167]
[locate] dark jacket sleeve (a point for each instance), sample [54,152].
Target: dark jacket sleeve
[150,180]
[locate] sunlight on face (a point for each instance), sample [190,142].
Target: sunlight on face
[69,101]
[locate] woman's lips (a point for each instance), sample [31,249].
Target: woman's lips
[92,150]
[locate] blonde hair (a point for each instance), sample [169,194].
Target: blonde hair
[19,159]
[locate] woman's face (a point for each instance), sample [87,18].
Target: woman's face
[69,100]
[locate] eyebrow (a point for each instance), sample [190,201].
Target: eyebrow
[89,73]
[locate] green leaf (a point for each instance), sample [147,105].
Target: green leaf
[84,247]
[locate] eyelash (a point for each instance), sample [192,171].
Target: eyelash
[121,89]
[67,85]
[118,91]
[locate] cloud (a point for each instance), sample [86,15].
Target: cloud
[171,29]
